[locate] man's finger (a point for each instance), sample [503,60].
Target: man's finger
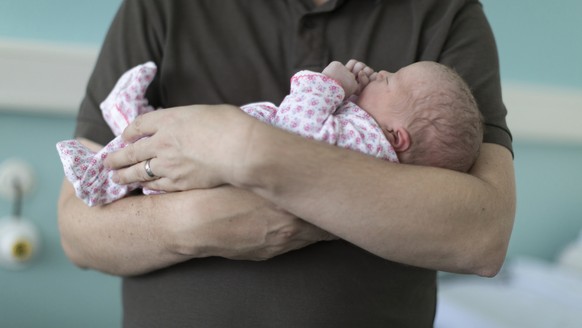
[132,154]
[143,126]
[131,174]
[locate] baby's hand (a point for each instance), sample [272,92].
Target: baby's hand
[363,73]
[343,75]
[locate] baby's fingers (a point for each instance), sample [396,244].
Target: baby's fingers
[350,64]
[355,66]
[363,81]
[368,71]
[358,67]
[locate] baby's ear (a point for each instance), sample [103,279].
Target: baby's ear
[400,139]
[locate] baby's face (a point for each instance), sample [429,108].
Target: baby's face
[385,97]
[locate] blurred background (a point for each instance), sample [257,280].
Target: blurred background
[540,47]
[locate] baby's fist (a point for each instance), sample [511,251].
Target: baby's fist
[343,75]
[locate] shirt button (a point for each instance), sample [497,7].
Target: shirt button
[308,23]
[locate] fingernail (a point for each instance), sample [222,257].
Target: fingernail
[115,178]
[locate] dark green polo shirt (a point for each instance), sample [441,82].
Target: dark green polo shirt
[241,51]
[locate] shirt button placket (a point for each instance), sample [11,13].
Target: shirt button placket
[309,45]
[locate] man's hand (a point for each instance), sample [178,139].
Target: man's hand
[182,157]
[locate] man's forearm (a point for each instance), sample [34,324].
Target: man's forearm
[139,234]
[416,215]
[108,238]
[422,216]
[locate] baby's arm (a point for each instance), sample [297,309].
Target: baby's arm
[311,110]
[313,98]
[343,76]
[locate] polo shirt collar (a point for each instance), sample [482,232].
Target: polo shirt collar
[329,6]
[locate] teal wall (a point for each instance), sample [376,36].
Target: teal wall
[549,198]
[53,292]
[76,21]
[539,43]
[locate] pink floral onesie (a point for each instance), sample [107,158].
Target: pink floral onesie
[83,167]
[316,109]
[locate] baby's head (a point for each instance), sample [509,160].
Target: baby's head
[428,113]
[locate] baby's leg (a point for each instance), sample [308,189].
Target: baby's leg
[86,172]
[127,99]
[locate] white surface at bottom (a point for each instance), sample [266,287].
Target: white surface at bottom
[529,294]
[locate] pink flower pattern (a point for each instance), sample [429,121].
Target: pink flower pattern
[316,109]
[83,167]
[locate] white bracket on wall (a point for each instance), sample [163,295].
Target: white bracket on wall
[19,237]
[16,171]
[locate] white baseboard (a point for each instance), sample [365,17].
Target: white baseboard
[51,78]
[544,113]
[44,77]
